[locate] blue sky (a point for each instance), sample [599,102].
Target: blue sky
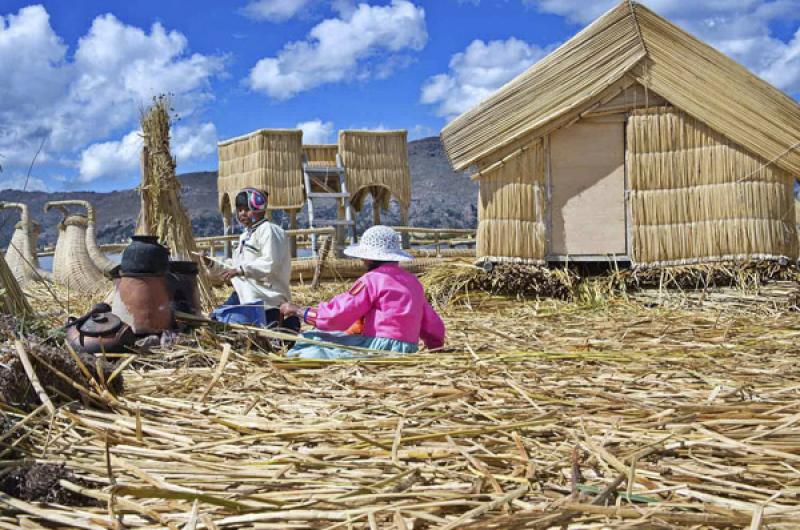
[76,73]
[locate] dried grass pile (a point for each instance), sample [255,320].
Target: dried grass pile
[65,376]
[748,276]
[539,415]
[452,281]
[533,436]
[41,483]
[162,213]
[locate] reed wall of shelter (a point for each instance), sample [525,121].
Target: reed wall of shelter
[511,209]
[268,160]
[376,163]
[656,148]
[697,196]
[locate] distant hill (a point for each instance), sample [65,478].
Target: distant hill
[441,198]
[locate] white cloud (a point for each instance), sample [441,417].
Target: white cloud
[107,159]
[477,72]
[21,182]
[317,131]
[116,157]
[274,10]
[420,131]
[189,142]
[74,99]
[355,45]
[739,28]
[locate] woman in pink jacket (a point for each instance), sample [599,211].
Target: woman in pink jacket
[385,309]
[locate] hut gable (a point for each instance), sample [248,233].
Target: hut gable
[629,43]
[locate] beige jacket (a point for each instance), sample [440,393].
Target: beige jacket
[266,265]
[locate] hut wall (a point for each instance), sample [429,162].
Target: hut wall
[269,160]
[698,197]
[511,209]
[376,162]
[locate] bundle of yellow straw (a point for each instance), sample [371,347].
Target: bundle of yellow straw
[12,299]
[162,213]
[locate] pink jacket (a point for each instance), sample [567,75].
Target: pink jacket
[392,304]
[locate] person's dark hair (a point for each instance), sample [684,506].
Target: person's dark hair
[372,265]
[241,200]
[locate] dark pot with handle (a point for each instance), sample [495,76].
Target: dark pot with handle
[98,331]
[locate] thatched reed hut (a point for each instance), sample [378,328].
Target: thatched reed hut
[634,141]
[21,258]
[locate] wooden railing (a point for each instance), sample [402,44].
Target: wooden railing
[438,238]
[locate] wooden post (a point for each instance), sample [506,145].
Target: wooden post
[341,230]
[404,221]
[376,211]
[226,230]
[293,239]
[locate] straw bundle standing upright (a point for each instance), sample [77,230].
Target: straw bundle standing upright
[162,214]
[12,299]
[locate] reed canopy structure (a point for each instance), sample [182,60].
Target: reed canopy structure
[274,160]
[633,141]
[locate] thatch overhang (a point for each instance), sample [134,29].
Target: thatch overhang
[632,42]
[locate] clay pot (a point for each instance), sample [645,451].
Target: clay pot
[144,256]
[143,302]
[182,285]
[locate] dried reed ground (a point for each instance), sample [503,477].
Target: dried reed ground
[527,418]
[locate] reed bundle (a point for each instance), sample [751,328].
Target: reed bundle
[97,256]
[67,375]
[21,253]
[162,213]
[591,418]
[73,266]
[452,282]
[268,160]
[12,299]
[377,163]
[697,196]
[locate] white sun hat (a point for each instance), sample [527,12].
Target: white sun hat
[379,243]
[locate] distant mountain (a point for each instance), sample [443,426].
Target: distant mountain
[440,198]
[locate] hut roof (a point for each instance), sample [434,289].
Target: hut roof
[628,44]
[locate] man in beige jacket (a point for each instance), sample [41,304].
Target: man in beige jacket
[261,267]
